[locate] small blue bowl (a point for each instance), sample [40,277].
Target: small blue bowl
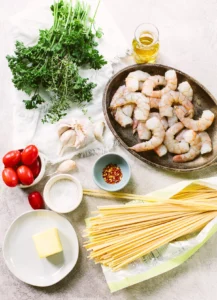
[102,162]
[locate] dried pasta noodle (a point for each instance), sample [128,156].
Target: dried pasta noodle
[121,234]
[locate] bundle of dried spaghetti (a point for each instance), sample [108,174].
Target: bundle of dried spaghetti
[121,234]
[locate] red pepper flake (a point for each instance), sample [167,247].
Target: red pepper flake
[112,174]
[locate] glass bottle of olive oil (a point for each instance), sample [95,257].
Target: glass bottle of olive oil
[145,43]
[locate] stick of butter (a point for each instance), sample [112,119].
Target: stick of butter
[48,242]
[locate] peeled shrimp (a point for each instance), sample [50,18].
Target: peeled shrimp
[170,83]
[172,120]
[202,124]
[194,140]
[172,97]
[123,115]
[139,114]
[140,85]
[142,109]
[143,132]
[158,133]
[186,89]
[118,94]
[171,80]
[161,150]
[154,102]
[151,83]
[133,79]
[180,135]
[121,118]
[205,139]
[173,145]
[128,110]
[163,120]
[206,142]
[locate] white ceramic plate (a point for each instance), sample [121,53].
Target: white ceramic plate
[20,253]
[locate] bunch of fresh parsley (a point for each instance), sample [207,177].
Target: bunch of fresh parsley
[52,64]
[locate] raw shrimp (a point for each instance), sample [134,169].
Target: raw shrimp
[161,150]
[121,93]
[163,120]
[194,140]
[202,124]
[121,118]
[206,142]
[133,79]
[186,89]
[143,132]
[173,145]
[170,83]
[158,133]
[128,109]
[140,85]
[172,97]
[154,102]
[151,83]
[118,94]
[180,135]
[139,114]
[142,109]
[172,120]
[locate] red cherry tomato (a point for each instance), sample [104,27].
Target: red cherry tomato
[36,200]
[12,158]
[25,175]
[29,155]
[36,167]
[10,177]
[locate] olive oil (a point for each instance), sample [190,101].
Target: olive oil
[145,46]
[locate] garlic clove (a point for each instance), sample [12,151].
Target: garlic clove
[66,166]
[67,137]
[80,138]
[99,130]
[62,128]
[71,142]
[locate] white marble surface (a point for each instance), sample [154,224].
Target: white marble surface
[188,34]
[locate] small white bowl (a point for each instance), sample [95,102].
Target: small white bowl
[40,175]
[73,204]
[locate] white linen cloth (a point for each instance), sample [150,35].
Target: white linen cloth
[27,125]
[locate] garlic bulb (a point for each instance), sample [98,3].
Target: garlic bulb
[66,166]
[98,130]
[75,133]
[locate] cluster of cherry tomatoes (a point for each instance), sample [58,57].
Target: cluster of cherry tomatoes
[21,166]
